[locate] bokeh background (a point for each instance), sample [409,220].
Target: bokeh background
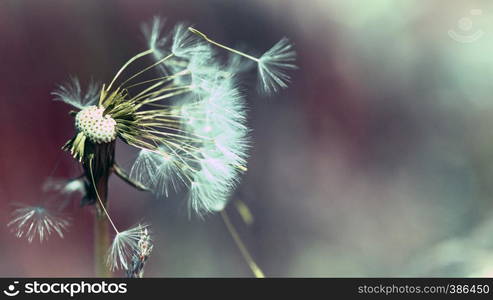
[376,161]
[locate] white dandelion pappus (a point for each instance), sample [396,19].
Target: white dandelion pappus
[273,64]
[125,245]
[158,171]
[186,45]
[37,221]
[155,41]
[145,167]
[172,173]
[221,120]
[212,185]
[152,33]
[72,94]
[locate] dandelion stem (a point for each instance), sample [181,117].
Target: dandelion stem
[101,245]
[257,272]
[205,37]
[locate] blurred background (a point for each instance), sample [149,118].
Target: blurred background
[376,161]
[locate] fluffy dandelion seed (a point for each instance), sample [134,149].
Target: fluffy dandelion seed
[139,258]
[186,45]
[155,41]
[72,94]
[146,166]
[125,245]
[152,32]
[272,65]
[36,221]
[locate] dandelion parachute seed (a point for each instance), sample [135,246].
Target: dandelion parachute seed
[139,258]
[37,221]
[72,94]
[155,41]
[125,245]
[272,65]
[152,32]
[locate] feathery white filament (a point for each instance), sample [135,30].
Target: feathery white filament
[186,45]
[145,167]
[72,94]
[155,41]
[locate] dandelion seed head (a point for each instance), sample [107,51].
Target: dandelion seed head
[97,127]
[190,123]
[36,221]
[273,66]
[72,93]
[125,245]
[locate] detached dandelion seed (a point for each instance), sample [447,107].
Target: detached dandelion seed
[37,221]
[273,65]
[140,256]
[71,93]
[125,246]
